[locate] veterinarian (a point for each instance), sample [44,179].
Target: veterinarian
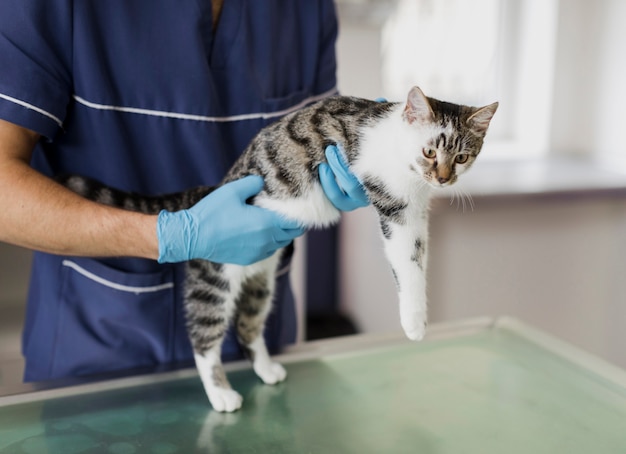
[153,97]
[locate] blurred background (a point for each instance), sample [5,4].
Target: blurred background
[537,229]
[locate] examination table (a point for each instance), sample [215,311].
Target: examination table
[477,386]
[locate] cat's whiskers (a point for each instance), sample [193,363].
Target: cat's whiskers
[469,199]
[462,197]
[456,196]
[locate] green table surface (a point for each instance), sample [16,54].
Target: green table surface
[476,387]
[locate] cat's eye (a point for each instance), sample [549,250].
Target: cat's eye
[461,158]
[429,153]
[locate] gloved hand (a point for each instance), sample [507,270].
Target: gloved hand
[223,228]
[341,187]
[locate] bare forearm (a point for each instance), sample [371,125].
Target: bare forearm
[37,213]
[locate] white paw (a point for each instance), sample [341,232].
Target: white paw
[223,399]
[271,373]
[414,326]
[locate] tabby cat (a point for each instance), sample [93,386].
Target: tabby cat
[399,151]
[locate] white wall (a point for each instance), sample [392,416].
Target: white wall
[556,262]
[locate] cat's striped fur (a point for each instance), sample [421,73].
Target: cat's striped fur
[399,151]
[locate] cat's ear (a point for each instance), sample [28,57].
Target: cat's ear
[417,107]
[480,119]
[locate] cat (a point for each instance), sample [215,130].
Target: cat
[398,151]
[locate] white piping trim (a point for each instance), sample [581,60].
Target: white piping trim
[31,107]
[209,119]
[113,285]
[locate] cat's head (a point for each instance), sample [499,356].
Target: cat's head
[452,136]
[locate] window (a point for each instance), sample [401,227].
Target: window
[475,52]
[450,47]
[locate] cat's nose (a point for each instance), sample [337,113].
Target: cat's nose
[442,180]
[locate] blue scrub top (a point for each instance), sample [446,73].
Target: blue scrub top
[144,96]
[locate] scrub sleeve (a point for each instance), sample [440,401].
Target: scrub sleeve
[143,96]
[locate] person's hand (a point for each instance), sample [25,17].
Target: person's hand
[223,228]
[341,187]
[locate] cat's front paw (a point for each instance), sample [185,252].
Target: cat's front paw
[414,325]
[225,400]
[270,372]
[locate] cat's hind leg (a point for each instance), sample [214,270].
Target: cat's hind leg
[209,305]
[252,308]
[218,389]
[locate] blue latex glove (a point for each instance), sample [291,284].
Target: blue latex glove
[341,187]
[223,228]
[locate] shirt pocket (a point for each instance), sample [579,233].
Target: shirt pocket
[111,320]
